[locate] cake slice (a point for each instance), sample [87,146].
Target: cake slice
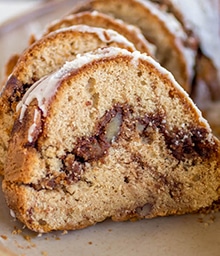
[43,57]
[97,19]
[205,25]
[206,84]
[175,49]
[109,135]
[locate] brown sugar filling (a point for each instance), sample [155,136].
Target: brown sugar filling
[183,144]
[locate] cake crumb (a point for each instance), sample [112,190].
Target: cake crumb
[207,219]
[56,237]
[27,238]
[16,231]
[4,237]
[44,253]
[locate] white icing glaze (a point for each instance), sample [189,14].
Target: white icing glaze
[129,27]
[176,29]
[32,127]
[120,22]
[44,89]
[105,35]
[151,47]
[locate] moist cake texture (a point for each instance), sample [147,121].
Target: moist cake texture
[43,57]
[113,136]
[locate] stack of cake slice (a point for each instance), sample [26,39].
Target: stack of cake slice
[97,121]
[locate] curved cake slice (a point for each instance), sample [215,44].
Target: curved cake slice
[109,135]
[206,84]
[174,49]
[96,19]
[205,25]
[45,56]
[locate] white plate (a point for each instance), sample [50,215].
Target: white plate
[191,235]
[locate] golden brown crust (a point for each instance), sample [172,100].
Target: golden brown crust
[69,46]
[168,52]
[96,19]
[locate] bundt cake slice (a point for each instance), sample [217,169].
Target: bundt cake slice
[203,18]
[97,19]
[175,49]
[43,57]
[109,135]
